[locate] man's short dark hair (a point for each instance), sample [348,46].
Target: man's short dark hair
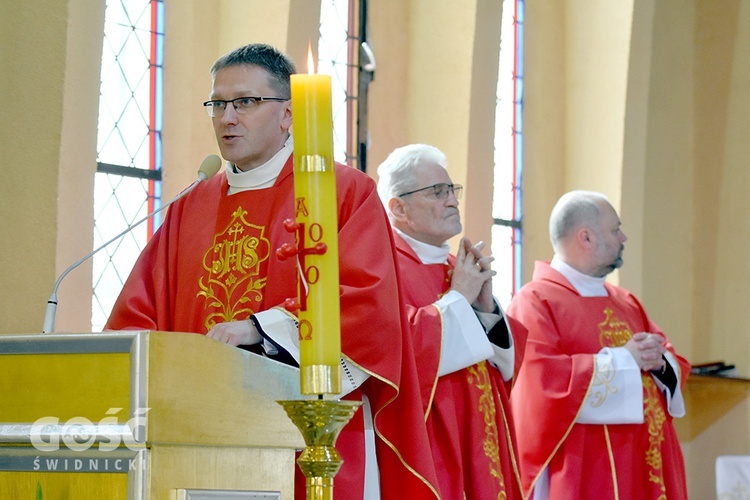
[279,65]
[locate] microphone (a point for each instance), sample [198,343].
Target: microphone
[210,165]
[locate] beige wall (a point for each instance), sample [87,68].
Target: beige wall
[648,102]
[725,172]
[51,56]
[720,150]
[196,34]
[440,90]
[32,67]
[645,100]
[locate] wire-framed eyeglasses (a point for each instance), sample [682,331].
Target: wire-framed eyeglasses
[440,190]
[241,105]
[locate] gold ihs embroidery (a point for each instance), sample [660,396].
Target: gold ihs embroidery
[233,266]
[612,331]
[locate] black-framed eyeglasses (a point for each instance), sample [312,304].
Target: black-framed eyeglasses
[241,105]
[440,190]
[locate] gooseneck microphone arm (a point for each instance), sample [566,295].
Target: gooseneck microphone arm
[208,168]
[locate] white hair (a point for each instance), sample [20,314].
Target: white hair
[396,173]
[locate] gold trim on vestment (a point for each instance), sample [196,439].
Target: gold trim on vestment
[491,446]
[380,434]
[612,465]
[654,418]
[428,408]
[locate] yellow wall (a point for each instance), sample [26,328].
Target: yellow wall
[645,100]
[648,102]
[50,98]
[196,34]
[440,90]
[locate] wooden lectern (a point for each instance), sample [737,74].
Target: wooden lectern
[143,415]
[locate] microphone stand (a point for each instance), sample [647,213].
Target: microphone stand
[208,168]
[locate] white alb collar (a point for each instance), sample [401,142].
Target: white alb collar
[587,286]
[428,254]
[262,176]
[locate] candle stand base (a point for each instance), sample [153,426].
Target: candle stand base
[320,422]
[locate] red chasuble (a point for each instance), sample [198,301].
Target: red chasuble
[214,260]
[624,461]
[468,417]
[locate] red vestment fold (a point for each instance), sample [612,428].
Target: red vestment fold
[467,411]
[566,330]
[214,260]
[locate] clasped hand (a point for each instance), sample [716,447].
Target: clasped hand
[648,350]
[472,275]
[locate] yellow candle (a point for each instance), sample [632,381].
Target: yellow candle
[316,213]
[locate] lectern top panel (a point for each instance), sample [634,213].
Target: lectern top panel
[67,343]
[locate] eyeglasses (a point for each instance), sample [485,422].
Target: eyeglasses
[241,105]
[440,191]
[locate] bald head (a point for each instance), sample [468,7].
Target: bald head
[572,211]
[585,232]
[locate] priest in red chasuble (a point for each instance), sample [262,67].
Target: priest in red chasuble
[600,383]
[467,349]
[212,269]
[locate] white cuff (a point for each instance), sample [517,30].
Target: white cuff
[465,342]
[282,328]
[616,392]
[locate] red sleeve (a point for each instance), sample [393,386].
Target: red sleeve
[137,307]
[374,336]
[520,335]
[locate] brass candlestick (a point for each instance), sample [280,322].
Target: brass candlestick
[320,422]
